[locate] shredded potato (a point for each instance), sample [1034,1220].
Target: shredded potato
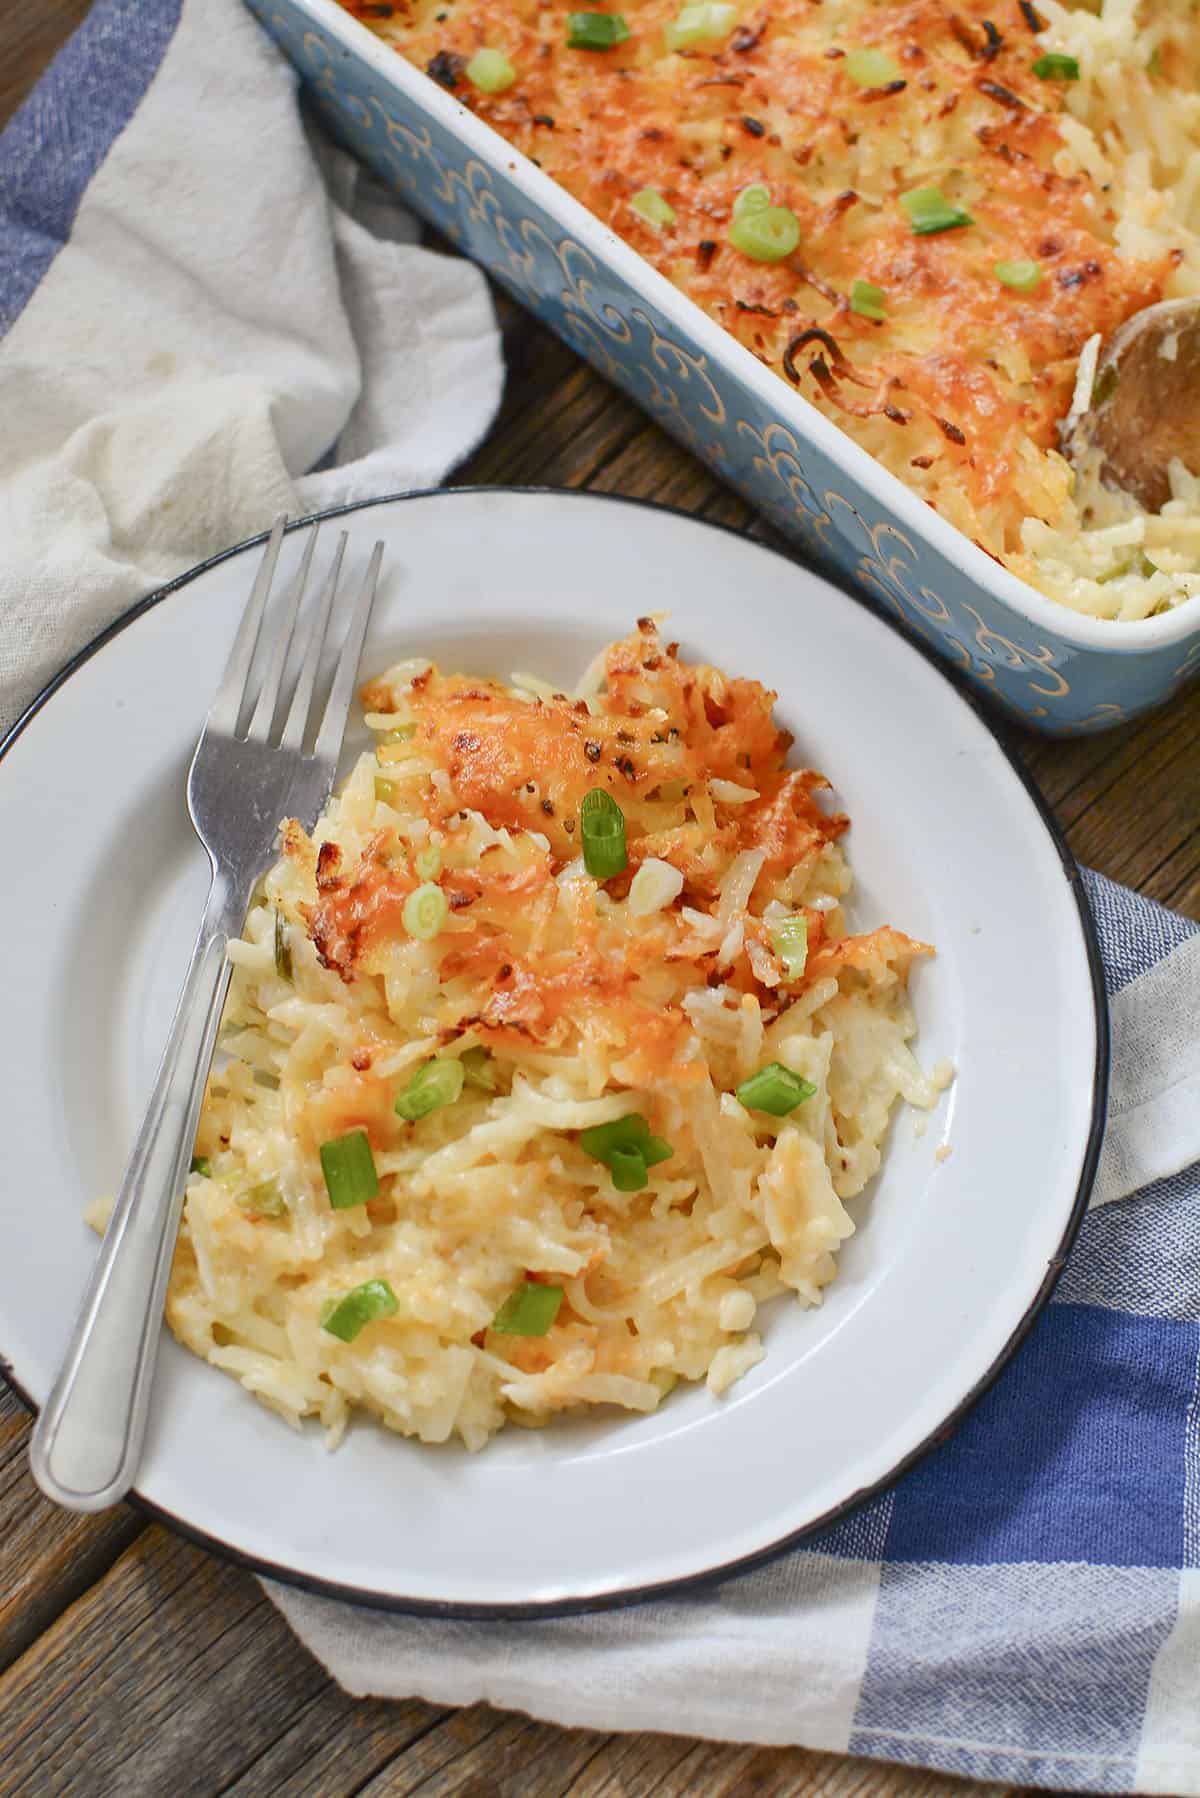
[566,1008]
[960,387]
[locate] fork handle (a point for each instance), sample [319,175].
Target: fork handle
[87,1442]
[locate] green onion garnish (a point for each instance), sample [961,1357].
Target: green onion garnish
[655,1149]
[868,300]
[385,790]
[626,1148]
[699,25]
[774,1089]
[630,1131]
[438,1083]
[490,71]
[595,30]
[789,939]
[265,1200]
[752,199]
[425,911]
[345,1317]
[627,1169]
[602,828]
[929,210]
[428,861]
[403,733]
[349,1169]
[651,206]
[1055,67]
[479,1070]
[529,1311]
[283,953]
[200,1164]
[871,68]
[1022,277]
[765,235]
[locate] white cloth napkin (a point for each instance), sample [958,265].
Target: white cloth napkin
[231,310]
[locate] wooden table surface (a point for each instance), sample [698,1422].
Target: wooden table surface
[131,1662]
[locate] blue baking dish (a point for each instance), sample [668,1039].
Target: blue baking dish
[1055,670]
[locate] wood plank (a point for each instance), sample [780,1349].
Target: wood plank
[1179,890]
[47,1556]
[1074,774]
[31,35]
[175,1675]
[334,1743]
[482,1751]
[1139,821]
[555,437]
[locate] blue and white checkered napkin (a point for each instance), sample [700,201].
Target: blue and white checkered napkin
[1025,1604]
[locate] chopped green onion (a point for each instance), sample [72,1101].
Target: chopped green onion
[752,199]
[929,210]
[438,1083]
[626,1148]
[349,1169]
[789,939]
[871,68]
[200,1164]
[347,1316]
[627,1169]
[767,235]
[283,953]
[529,1311]
[490,71]
[651,206]
[479,1070]
[774,1089]
[265,1200]
[403,733]
[868,300]
[1022,277]
[621,1133]
[1055,67]
[1139,564]
[602,828]
[595,30]
[385,791]
[425,911]
[699,25]
[428,861]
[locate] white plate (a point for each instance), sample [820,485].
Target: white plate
[952,1257]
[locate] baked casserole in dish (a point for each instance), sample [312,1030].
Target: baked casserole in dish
[902,229]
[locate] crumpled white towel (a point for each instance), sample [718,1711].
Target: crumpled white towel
[218,324]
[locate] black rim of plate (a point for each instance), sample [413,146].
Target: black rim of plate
[709,1576]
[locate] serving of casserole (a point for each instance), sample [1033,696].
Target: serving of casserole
[858,257]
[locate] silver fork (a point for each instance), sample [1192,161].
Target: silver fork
[88,1440]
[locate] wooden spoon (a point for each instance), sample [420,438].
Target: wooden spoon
[1145,404]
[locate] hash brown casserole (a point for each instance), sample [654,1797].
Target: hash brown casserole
[956,200]
[548,1059]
